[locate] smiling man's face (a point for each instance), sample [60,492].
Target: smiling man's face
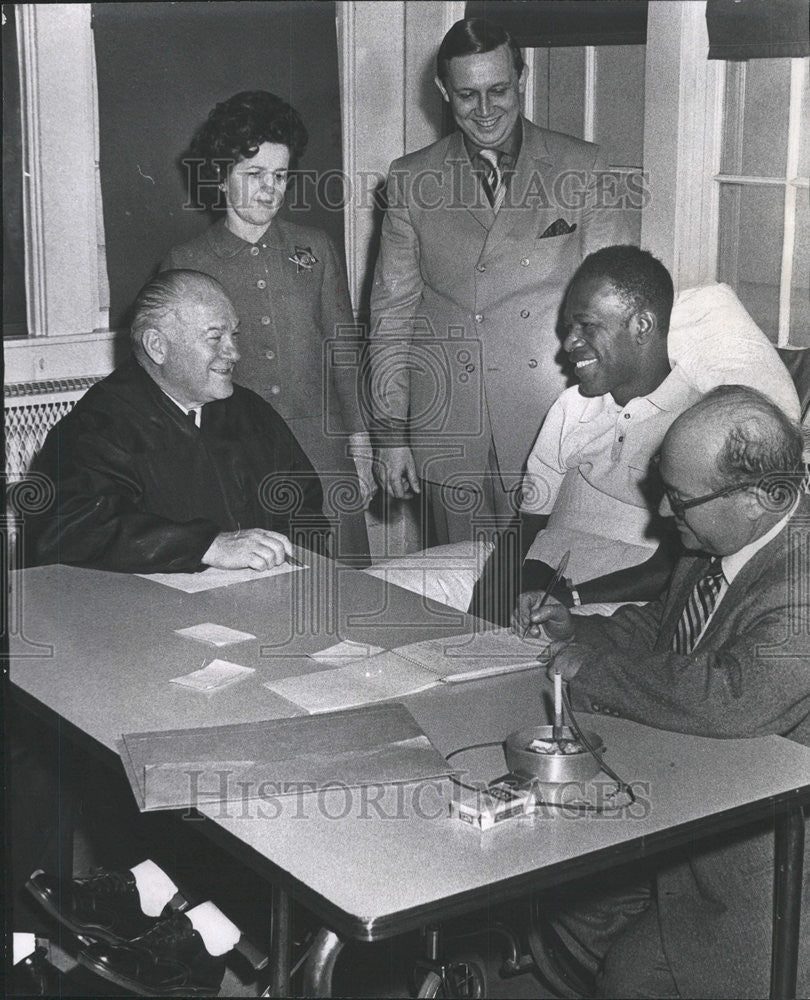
[200,348]
[483,91]
[600,341]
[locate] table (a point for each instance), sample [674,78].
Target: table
[377,862]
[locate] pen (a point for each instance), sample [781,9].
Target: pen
[547,592]
[294,562]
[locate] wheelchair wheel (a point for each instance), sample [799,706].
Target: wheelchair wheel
[464,976]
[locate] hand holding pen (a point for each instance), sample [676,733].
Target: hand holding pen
[534,610]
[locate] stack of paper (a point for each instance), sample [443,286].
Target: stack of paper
[378,744]
[407,669]
[478,654]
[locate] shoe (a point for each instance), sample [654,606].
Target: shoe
[34,976]
[168,960]
[104,906]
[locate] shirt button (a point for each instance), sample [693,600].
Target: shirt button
[261,283]
[275,389]
[265,321]
[524,262]
[479,318]
[595,707]
[480,267]
[524,313]
[621,437]
[254,251]
[469,368]
[627,416]
[269,355]
[532,362]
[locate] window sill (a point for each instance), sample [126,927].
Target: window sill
[35,359]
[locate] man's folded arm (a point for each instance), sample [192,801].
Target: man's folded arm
[642,582]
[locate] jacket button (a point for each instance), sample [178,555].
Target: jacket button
[261,283]
[524,313]
[269,355]
[469,368]
[480,267]
[479,318]
[275,389]
[265,321]
[524,262]
[254,251]
[532,362]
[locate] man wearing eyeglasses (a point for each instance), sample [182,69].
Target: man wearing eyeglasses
[724,653]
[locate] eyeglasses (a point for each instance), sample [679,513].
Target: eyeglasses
[679,506]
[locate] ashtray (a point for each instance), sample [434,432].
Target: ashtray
[574,762]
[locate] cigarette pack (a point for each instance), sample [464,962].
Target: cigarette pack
[490,807]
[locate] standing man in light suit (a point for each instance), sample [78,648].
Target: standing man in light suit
[482,233]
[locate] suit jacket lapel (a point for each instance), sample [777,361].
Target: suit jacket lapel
[677,601]
[746,578]
[462,184]
[519,216]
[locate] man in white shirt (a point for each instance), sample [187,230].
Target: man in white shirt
[587,489]
[722,654]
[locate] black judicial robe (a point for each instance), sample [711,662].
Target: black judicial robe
[138,488]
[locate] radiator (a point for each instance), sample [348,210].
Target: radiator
[31,409]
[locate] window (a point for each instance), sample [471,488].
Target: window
[14,321]
[764,218]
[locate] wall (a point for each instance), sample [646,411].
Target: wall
[161,68]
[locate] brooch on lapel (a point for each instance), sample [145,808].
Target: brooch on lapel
[303,258]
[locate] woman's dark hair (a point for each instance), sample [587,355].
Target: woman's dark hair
[236,128]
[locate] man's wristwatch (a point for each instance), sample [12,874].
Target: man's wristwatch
[575,598]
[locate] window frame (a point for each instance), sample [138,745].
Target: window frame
[65,268]
[790,181]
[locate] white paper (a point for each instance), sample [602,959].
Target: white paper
[217,675]
[339,654]
[469,656]
[377,678]
[211,578]
[215,635]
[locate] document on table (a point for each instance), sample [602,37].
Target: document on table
[372,678]
[376,744]
[211,578]
[409,669]
[477,654]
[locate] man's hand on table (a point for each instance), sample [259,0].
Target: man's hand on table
[395,471]
[255,548]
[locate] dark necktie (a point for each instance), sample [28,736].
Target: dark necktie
[493,180]
[698,608]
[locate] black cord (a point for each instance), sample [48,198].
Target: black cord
[472,746]
[599,758]
[580,807]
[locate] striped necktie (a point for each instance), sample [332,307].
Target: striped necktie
[698,608]
[493,181]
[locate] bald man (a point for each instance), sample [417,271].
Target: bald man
[166,465]
[723,654]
